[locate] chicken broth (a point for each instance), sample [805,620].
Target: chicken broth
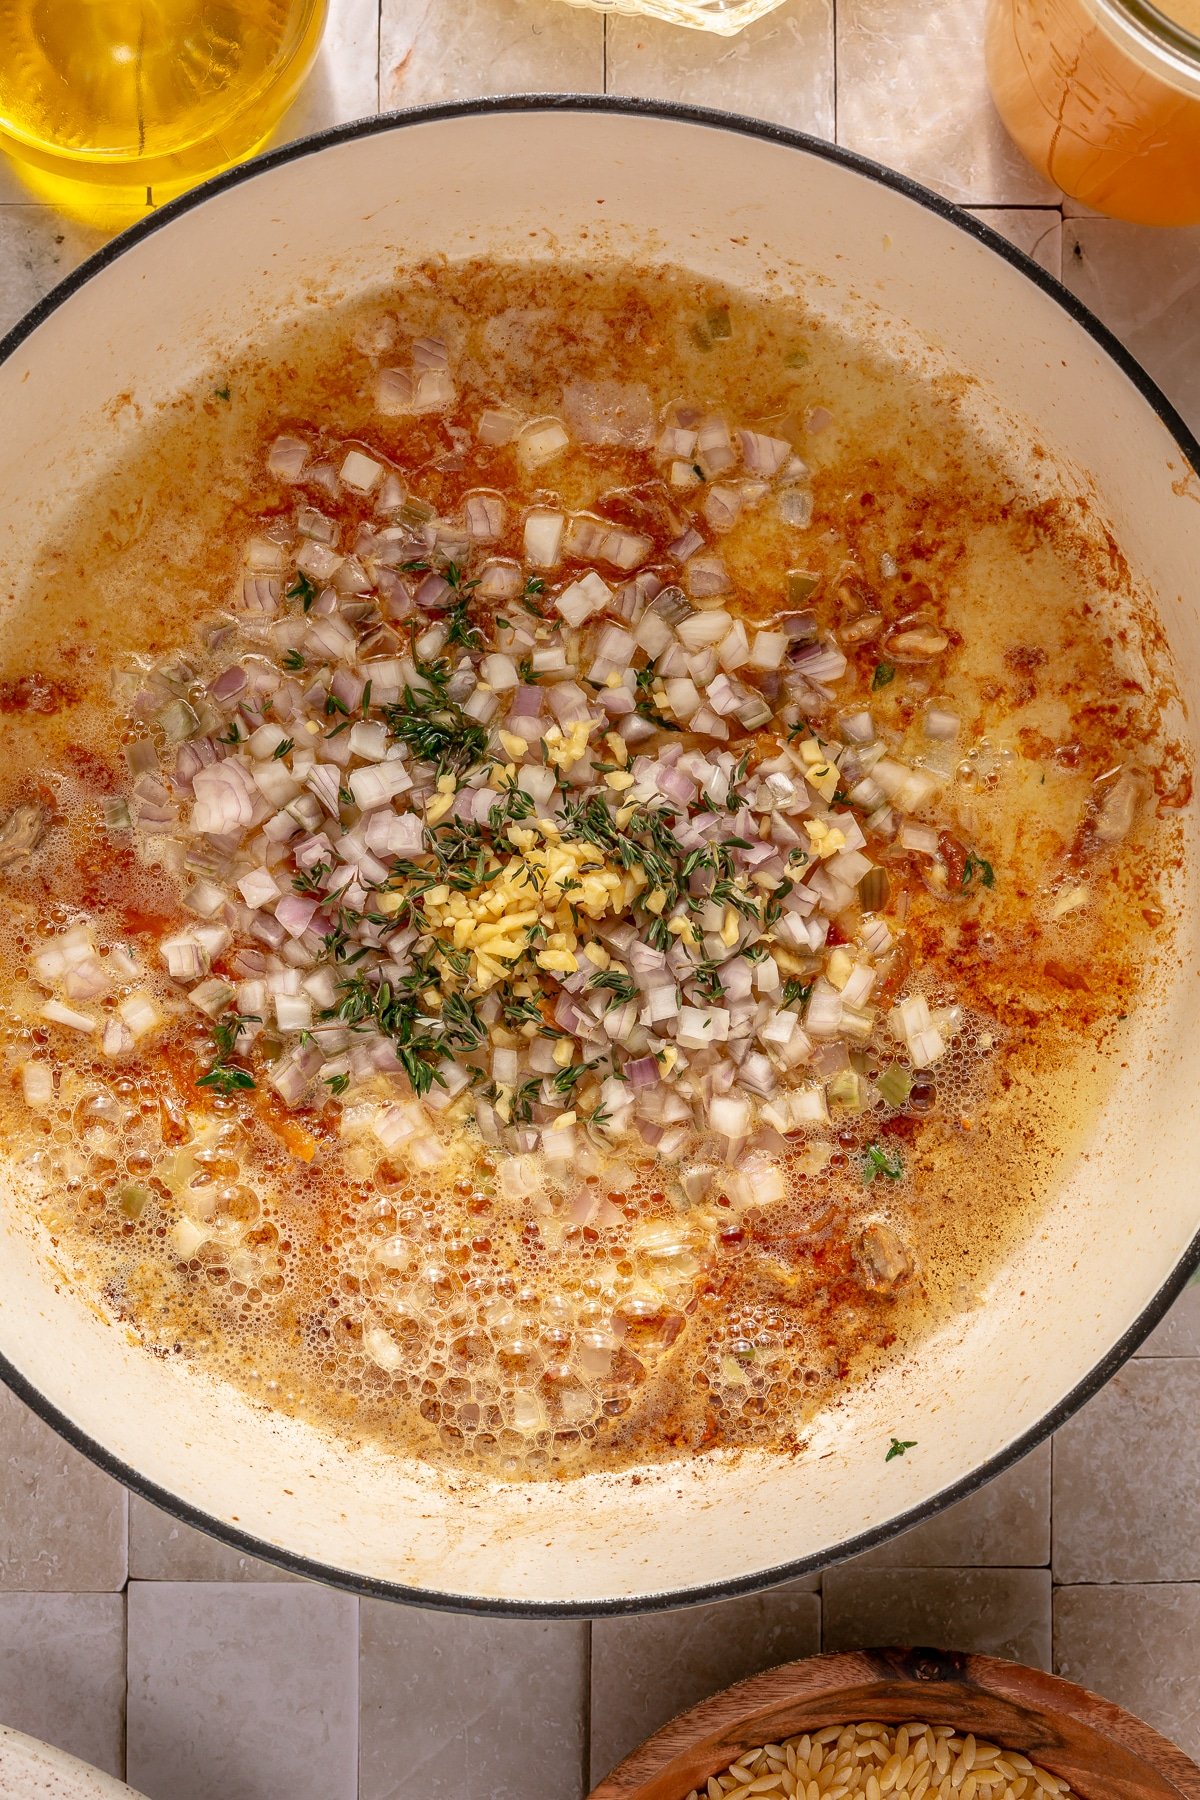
[579,849]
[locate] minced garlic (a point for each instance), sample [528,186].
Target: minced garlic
[543,889]
[826,840]
[563,752]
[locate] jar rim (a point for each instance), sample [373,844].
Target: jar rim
[1161,31]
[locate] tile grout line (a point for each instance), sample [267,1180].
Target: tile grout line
[587,1707]
[835,71]
[1050,1564]
[1141,1581]
[379,56]
[358,1691]
[126,1510]
[358,1709]
[125,1681]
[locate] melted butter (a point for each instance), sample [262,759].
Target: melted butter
[382,1302]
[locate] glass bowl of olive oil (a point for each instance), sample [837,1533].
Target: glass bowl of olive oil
[108,107]
[725,17]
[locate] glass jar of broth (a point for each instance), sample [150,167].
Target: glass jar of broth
[108,107]
[1103,96]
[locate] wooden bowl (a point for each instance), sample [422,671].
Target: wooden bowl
[1104,1752]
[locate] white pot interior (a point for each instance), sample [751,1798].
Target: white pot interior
[748,209]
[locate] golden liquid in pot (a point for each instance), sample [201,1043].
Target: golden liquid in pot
[488,1298]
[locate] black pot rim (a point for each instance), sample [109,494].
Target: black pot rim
[446,1600]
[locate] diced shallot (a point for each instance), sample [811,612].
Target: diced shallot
[224,797]
[541,441]
[543,537]
[707,576]
[497,426]
[484,516]
[359,471]
[763,455]
[57,1014]
[37,1085]
[287,457]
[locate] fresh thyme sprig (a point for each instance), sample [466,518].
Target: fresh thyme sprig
[620,985]
[225,1077]
[422,1040]
[436,730]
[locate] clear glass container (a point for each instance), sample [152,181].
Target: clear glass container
[1103,96]
[725,17]
[108,106]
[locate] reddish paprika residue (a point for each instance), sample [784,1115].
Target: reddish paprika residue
[37,693]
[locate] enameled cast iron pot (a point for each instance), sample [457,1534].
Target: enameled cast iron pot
[761,207]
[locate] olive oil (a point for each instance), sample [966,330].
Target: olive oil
[108,107]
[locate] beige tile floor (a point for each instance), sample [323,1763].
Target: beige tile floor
[147,1648]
